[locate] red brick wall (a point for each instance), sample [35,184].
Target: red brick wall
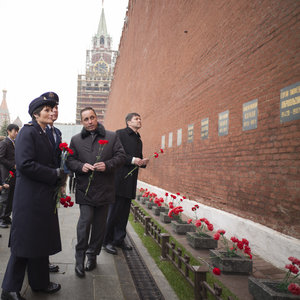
[183,61]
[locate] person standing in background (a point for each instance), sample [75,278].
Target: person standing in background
[125,187]
[7,164]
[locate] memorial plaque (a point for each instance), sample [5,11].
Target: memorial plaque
[290,103]
[179,137]
[223,123]
[190,133]
[204,129]
[163,142]
[250,115]
[170,139]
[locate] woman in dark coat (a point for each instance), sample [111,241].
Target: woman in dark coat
[35,229]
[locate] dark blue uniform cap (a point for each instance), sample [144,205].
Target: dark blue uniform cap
[51,96]
[40,101]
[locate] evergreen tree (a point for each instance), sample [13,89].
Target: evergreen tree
[3,130]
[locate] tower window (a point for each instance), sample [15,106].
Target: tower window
[102,40]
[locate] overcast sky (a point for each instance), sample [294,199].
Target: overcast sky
[43,47]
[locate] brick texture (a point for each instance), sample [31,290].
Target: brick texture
[181,61]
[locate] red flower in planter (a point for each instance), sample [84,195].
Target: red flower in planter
[294,288]
[216,271]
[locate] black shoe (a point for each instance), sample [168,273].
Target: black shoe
[50,289]
[91,264]
[79,270]
[11,296]
[3,225]
[125,246]
[53,268]
[109,248]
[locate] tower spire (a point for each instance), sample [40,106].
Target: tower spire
[102,29]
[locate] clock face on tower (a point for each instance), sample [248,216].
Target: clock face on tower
[101,67]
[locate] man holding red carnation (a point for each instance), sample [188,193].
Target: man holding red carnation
[97,154]
[125,185]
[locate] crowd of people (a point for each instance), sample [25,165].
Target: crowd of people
[32,173]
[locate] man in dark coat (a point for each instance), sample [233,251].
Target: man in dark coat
[97,154]
[35,228]
[7,164]
[125,187]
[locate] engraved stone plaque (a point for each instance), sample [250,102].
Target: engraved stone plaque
[204,129]
[250,115]
[290,103]
[190,133]
[223,123]
[179,137]
[170,139]
[163,142]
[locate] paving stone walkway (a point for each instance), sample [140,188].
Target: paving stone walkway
[111,280]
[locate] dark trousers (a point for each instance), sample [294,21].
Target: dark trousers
[37,270]
[117,221]
[90,231]
[6,199]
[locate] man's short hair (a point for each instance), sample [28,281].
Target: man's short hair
[10,127]
[130,116]
[85,109]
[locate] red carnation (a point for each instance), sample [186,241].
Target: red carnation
[103,142]
[294,288]
[292,268]
[216,271]
[70,151]
[221,231]
[198,223]
[155,154]
[189,221]
[11,173]
[161,151]
[294,260]
[217,236]
[166,194]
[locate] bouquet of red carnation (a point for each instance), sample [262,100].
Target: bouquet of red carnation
[66,201]
[155,155]
[65,152]
[91,177]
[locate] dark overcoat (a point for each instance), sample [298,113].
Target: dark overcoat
[35,228]
[7,160]
[55,143]
[133,147]
[86,148]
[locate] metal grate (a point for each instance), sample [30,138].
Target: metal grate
[143,280]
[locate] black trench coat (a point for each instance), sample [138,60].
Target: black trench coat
[86,147]
[35,228]
[133,147]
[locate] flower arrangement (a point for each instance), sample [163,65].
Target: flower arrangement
[155,155]
[158,201]
[288,283]
[175,208]
[238,245]
[91,177]
[202,225]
